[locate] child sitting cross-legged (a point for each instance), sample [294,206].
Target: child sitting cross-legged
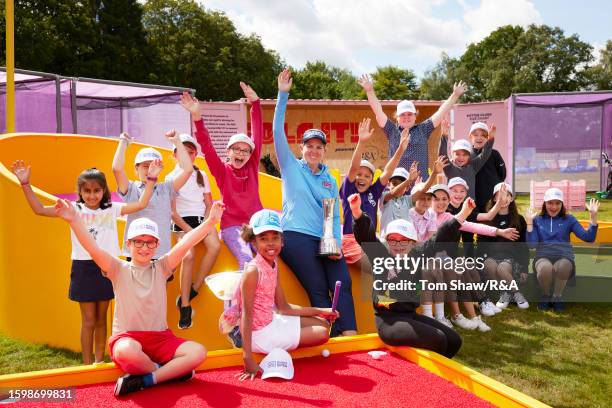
[141,343]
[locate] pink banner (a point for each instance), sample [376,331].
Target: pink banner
[224,119]
[464,115]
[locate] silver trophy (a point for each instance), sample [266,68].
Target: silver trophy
[329,245]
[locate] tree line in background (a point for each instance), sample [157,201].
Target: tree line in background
[180,43]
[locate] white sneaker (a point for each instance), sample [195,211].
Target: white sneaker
[520,300]
[480,325]
[463,322]
[504,300]
[445,321]
[487,308]
[495,308]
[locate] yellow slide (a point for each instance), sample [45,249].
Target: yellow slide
[35,251]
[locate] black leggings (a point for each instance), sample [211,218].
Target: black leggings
[415,330]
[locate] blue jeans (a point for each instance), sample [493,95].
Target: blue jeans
[318,276]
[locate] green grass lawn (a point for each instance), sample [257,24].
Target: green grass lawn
[563,360]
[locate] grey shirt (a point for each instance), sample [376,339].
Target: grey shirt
[467,172]
[394,209]
[158,210]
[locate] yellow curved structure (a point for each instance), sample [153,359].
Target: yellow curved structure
[35,251]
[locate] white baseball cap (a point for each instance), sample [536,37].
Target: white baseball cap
[277,363]
[462,144]
[498,187]
[437,187]
[402,227]
[418,187]
[241,137]
[187,138]
[479,125]
[553,194]
[457,181]
[370,166]
[147,154]
[142,226]
[265,220]
[405,106]
[400,172]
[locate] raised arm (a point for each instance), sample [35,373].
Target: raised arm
[482,157]
[368,86]
[589,234]
[458,90]
[154,169]
[533,236]
[177,253]
[365,135]
[401,188]
[281,145]
[392,164]
[216,166]
[23,175]
[183,159]
[439,165]
[119,163]
[65,210]
[256,120]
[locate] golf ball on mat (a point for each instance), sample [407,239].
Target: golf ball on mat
[325,353]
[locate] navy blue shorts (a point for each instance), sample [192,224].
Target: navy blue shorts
[87,284]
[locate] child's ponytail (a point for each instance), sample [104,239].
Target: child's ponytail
[199,177]
[246,233]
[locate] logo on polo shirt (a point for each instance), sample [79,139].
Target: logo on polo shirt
[327,184]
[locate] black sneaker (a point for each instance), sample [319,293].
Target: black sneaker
[235,337]
[186,318]
[544,303]
[192,295]
[557,304]
[129,383]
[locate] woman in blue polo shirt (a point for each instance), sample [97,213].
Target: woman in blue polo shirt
[306,182]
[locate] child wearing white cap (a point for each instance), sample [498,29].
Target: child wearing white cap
[396,200]
[439,206]
[266,320]
[189,209]
[397,322]
[549,232]
[406,115]
[88,286]
[237,177]
[458,189]
[159,208]
[141,344]
[359,180]
[463,164]
[505,260]
[494,169]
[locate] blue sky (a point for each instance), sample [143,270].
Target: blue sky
[362,34]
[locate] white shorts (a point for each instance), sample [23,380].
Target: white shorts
[282,332]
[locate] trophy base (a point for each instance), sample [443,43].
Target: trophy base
[328,254]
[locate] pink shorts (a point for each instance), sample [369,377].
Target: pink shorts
[160,346]
[351,249]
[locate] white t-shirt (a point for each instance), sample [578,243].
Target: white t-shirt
[140,295]
[190,198]
[102,225]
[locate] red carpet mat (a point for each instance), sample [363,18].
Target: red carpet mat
[342,380]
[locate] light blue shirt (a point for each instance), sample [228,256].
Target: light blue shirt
[303,191]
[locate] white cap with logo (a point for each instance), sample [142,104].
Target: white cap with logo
[142,226]
[400,172]
[240,137]
[277,363]
[462,144]
[187,138]
[402,227]
[405,106]
[147,154]
[457,181]
[479,125]
[553,194]
[437,187]
[370,166]
[498,187]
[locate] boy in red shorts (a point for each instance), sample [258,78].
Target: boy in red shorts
[141,343]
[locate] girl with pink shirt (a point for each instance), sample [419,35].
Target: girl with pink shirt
[267,321]
[237,177]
